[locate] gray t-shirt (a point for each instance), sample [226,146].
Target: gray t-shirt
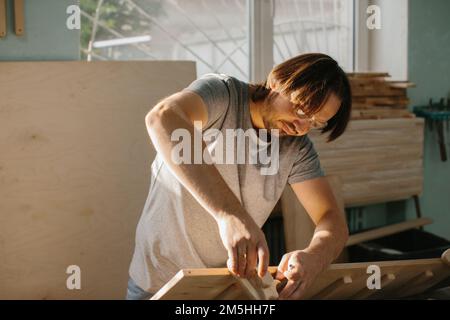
[175,232]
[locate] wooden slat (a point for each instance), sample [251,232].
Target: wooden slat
[366,292]
[19,18]
[368,74]
[2,18]
[362,88]
[386,231]
[403,270]
[417,285]
[401,84]
[373,113]
[196,284]
[336,289]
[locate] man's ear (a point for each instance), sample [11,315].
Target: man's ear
[272,84]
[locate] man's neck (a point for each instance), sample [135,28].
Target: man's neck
[255,114]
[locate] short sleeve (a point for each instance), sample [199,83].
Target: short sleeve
[307,164]
[212,88]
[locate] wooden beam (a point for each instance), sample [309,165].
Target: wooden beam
[386,231]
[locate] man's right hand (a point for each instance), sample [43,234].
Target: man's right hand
[246,245]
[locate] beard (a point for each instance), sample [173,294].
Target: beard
[272,124]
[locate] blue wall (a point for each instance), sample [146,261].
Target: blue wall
[46,35]
[429,68]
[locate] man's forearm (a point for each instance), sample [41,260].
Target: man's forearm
[203,180]
[329,239]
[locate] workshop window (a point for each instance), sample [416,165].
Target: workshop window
[213,33]
[325,26]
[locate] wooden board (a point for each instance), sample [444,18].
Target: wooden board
[377,160]
[216,283]
[74,171]
[399,279]
[387,230]
[3,24]
[380,113]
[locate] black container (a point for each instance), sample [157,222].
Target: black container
[274,232]
[411,244]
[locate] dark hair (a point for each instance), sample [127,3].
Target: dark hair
[309,79]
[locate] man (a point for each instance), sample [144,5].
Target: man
[201,215]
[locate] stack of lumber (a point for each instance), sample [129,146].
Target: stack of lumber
[375,97]
[377,160]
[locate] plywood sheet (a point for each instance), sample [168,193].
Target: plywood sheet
[74,171]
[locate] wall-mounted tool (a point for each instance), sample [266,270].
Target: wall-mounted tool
[437,116]
[2,18]
[19,19]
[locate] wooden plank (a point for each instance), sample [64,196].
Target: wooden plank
[375,101]
[388,230]
[362,88]
[368,74]
[75,170]
[196,284]
[335,289]
[422,281]
[365,293]
[212,283]
[233,292]
[380,114]
[19,18]
[3,18]
[401,84]
[417,284]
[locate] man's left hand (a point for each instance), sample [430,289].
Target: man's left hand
[300,268]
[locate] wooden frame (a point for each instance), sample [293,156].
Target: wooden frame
[399,279]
